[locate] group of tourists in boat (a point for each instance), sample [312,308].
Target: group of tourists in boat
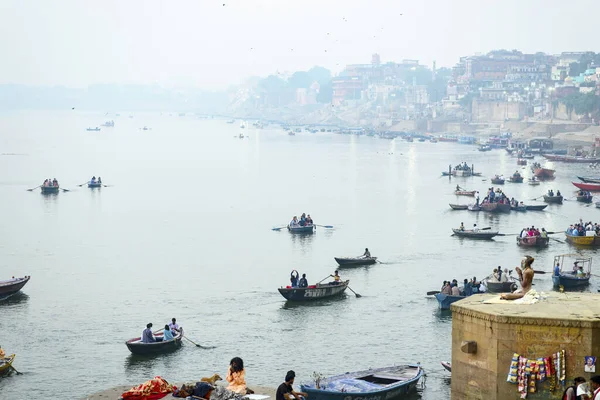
[297,282]
[470,286]
[95,181]
[577,271]
[305,220]
[498,275]
[533,231]
[462,167]
[171,330]
[584,229]
[551,193]
[496,196]
[50,183]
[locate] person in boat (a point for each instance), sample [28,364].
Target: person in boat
[336,278]
[477,201]
[458,188]
[558,193]
[147,335]
[575,267]
[303,282]
[455,291]
[550,193]
[167,334]
[475,228]
[294,279]
[99,181]
[525,277]
[45,183]
[2,354]
[475,285]
[580,273]
[504,277]
[54,182]
[447,289]
[309,220]
[467,291]
[557,269]
[294,222]
[366,254]
[285,391]
[236,376]
[462,226]
[93,180]
[174,327]
[302,219]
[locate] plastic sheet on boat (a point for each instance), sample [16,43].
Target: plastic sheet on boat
[350,385]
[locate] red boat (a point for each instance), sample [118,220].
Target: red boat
[543,173]
[590,187]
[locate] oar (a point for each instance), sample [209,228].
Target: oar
[539,272]
[486,229]
[324,226]
[538,197]
[65,190]
[32,189]
[356,294]
[278,229]
[559,241]
[328,276]
[198,345]
[431,293]
[14,369]
[84,183]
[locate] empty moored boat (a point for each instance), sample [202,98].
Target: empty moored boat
[136,346]
[536,207]
[372,384]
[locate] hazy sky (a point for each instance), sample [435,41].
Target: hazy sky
[205,43]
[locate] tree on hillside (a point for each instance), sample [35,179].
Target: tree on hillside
[582,104]
[325,94]
[300,79]
[319,74]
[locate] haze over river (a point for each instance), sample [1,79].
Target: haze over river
[184,230]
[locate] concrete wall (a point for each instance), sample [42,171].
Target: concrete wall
[497,110]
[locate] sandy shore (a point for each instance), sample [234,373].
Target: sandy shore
[115,392]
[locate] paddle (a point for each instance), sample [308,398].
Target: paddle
[356,294]
[84,183]
[199,345]
[328,276]
[324,226]
[14,369]
[32,189]
[278,229]
[65,190]
[539,272]
[486,229]
[537,198]
[431,293]
[559,241]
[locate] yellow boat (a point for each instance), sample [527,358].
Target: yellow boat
[582,240]
[5,364]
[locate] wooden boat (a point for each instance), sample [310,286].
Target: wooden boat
[96,129]
[49,189]
[533,241]
[521,161]
[5,364]
[301,229]
[533,182]
[473,207]
[553,199]
[501,287]
[482,235]
[485,147]
[348,261]
[582,240]
[313,292]
[136,346]
[520,208]
[571,159]
[447,366]
[444,300]
[568,279]
[495,207]
[590,187]
[497,180]
[588,180]
[459,206]
[11,286]
[465,192]
[526,156]
[516,179]
[94,185]
[372,384]
[586,198]
[537,207]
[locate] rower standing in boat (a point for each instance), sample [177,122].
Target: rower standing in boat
[147,335]
[294,278]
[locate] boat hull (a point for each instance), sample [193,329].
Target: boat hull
[495,207]
[480,235]
[8,288]
[49,189]
[150,349]
[516,179]
[5,365]
[349,261]
[445,300]
[533,241]
[585,199]
[94,185]
[301,229]
[553,199]
[540,207]
[590,187]
[315,292]
[498,181]
[588,180]
[583,240]
[459,206]
[465,193]
[570,282]
[501,287]
[543,173]
[571,159]
[404,380]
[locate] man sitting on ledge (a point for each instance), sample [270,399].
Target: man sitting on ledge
[525,278]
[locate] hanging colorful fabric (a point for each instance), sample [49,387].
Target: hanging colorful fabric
[541,369]
[563,370]
[513,370]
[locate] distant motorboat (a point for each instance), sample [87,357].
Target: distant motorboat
[93,129]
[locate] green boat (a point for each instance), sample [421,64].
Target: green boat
[50,189]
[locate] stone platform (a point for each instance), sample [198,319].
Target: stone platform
[485,336]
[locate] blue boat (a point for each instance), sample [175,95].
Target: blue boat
[569,279]
[94,185]
[372,384]
[301,229]
[445,300]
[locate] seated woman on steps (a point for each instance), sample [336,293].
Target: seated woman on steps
[236,376]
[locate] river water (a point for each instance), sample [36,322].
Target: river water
[184,230]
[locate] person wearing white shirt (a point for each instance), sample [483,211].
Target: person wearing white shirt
[174,327]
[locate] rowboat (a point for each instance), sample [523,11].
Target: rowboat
[482,235]
[5,364]
[459,206]
[553,199]
[94,185]
[569,279]
[136,346]
[474,207]
[49,189]
[537,207]
[498,181]
[447,366]
[465,192]
[588,180]
[586,198]
[349,261]
[495,207]
[11,286]
[582,240]
[502,287]
[533,241]
[301,229]
[516,179]
[485,147]
[96,129]
[543,173]
[444,300]
[521,208]
[372,384]
[590,187]
[571,159]
[313,292]
[527,156]
[533,182]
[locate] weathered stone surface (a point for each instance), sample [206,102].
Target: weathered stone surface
[563,321]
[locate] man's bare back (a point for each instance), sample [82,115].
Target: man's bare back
[526,279]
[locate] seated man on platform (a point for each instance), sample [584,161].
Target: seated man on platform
[525,277]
